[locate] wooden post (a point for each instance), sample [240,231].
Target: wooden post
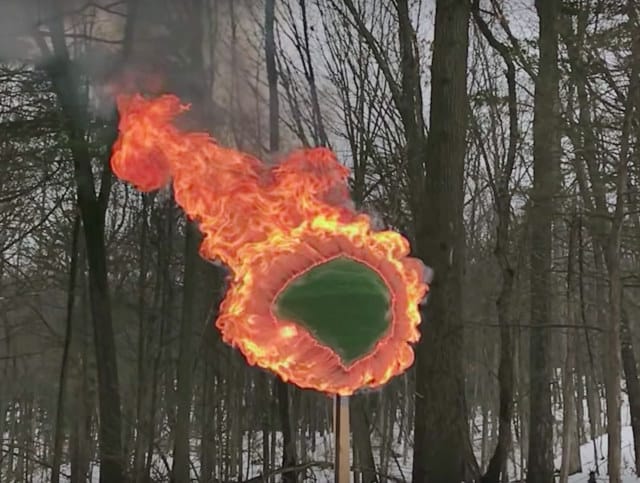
[341,432]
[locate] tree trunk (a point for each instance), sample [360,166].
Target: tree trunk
[545,151]
[209,403]
[191,84]
[81,439]
[181,465]
[570,442]
[111,462]
[366,466]
[92,208]
[62,383]
[613,255]
[266,423]
[632,383]
[282,390]
[580,397]
[272,76]
[288,441]
[502,197]
[606,229]
[442,450]
[613,358]
[614,268]
[142,416]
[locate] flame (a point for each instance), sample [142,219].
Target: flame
[269,225]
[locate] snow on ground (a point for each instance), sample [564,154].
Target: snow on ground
[399,464]
[588,453]
[589,462]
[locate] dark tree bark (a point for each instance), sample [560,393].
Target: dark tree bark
[628,355]
[92,204]
[288,441]
[545,152]
[614,268]
[81,440]
[633,384]
[570,462]
[358,412]
[442,450]
[142,389]
[272,75]
[181,465]
[62,384]
[111,458]
[319,134]
[92,210]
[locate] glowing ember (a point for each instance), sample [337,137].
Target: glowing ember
[269,225]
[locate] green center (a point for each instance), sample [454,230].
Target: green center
[343,303]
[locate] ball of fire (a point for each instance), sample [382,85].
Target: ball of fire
[315,294]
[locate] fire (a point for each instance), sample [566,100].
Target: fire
[268,225]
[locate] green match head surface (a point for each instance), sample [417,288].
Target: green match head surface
[343,303]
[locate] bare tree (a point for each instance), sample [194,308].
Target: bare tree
[606,226]
[64,365]
[500,187]
[442,449]
[92,206]
[282,389]
[546,164]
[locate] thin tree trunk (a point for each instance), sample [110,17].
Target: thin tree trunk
[613,358]
[272,76]
[502,196]
[193,300]
[546,146]
[181,465]
[142,416]
[266,423]
[282,390]
[614,269]
[319,133]
[62,383]
[582,438]
[80,441]
[632,383]
[570,444]
[612,257]
[362,441]
[593,398]
[288,442]
[209,385]
[164,267]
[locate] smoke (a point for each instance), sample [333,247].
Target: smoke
[377,220]
[211,58]
[18,19]
[170,46]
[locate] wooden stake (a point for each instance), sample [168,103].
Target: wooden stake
[341,431]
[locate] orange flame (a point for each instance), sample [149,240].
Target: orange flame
[268,225]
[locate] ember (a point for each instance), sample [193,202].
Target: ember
[270,226]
